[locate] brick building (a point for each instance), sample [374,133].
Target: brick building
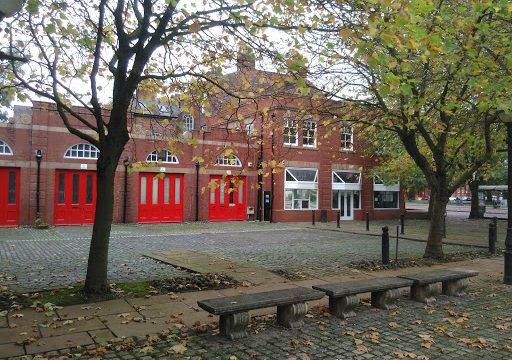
[209,170]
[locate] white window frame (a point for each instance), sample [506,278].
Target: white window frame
[169,157]
[188,122]
[5,149]
[343,185]
[231,160]
[88,151]
[290,126]
[347,137]
[249,129]
[306,132]
[300,185]
[379,186]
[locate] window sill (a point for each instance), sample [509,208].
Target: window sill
[299,147]
[299,209]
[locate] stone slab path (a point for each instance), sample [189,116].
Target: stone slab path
[201,262]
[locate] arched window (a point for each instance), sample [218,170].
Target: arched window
[231,160]
[164,156]
[82,151]
[188,122]
[5,149]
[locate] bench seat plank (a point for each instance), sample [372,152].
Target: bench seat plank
[343,296]
[363,286]
[426,287]
[440,275]
[246,302]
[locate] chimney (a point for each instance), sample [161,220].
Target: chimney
[245,58]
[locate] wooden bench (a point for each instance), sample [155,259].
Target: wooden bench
[425,287]
[234,310]
[343,296]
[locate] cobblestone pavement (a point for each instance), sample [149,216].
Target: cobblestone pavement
[475,326]
[58,256]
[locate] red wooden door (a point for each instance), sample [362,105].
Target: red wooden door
[227,198]
[75,197]
[160,197]
[9,196]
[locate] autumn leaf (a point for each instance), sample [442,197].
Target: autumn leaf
[177,349]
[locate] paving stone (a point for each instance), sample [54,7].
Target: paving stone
[3,321]
[100,308]
[63,327]
[59,342]
[171,308]
[12,335]
[136,328]
[11,350]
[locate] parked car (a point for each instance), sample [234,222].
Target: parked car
[425,198]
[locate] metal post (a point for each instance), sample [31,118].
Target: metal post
[125,192]
[495,221]
[338,219]
[402,224]
[492,238]
[197,189]
[313,217]
[396,247]
[367,221]
[385,245]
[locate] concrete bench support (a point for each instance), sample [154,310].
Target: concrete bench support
[424,293]
[234,310]
[343,307]
[385,299]
[292,316]
[455,287]
[343,296]
[234,326]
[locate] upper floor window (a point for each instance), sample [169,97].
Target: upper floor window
[309,133]
[5,149]
[164,156]
[231,160]
[82,151]
[249,129]
[290,132]
[347,138]
[188,122]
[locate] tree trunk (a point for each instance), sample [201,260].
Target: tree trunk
[434,248]
[96,281]
[473,187]
[432,196]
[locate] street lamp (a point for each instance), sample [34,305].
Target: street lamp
[506,118]
[39,157]
[126,163]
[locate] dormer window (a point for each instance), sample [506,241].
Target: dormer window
[188,122]
[164,156]
[231,160]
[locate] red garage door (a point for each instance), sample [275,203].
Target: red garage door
[227,198]
[75,197]
[160,198]
[9,196]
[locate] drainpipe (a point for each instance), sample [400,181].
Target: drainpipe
[197,189]
[126,163]
[39,156]
[272,178]
[259,207]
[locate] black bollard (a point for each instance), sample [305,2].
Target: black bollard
[338,219]
[313,218]
[367,221]
[385,245]
[492,238]
[495,221]
[402,224]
